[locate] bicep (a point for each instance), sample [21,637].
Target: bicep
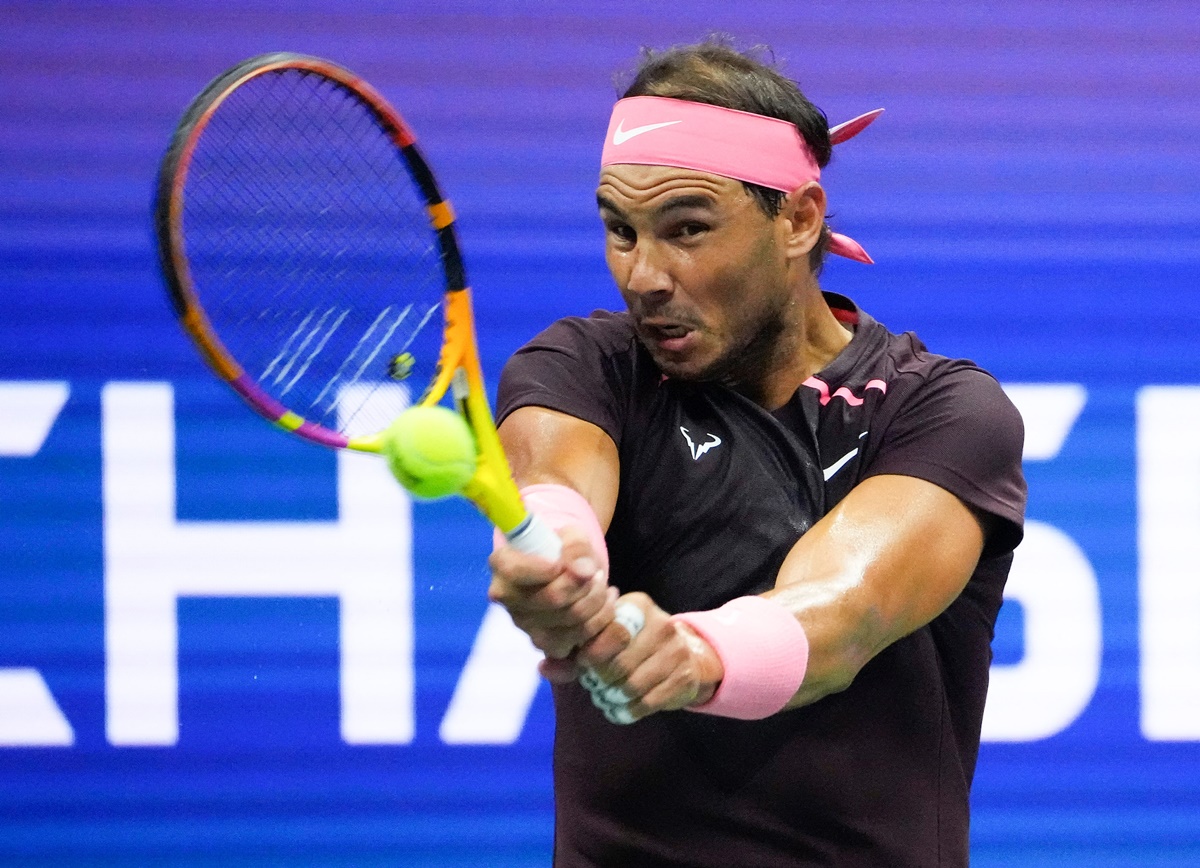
[547,446]
[888,559]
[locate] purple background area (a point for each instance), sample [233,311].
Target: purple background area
[1031,197]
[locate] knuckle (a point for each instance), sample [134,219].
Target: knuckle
[556,595]
[585,608]
[574,538]
[615,671]
[680,683]
[594,626]
[602,648]
[549,641]
[501,563]
[546,597]
[561,643]
[638,598]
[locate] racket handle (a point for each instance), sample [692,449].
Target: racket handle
[534,537]
[613,701]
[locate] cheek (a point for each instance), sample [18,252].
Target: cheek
[618,268]
[612,257]
[750,296]
[732,283]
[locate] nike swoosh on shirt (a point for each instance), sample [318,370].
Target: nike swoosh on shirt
[839,464]
[621,135]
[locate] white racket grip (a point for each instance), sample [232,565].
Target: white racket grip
[613,701]
[631,618]
[534,537]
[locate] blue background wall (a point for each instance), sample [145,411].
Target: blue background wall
[1032,199]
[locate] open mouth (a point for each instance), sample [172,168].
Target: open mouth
[666,331]
[672,337]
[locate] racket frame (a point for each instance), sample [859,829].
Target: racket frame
[492,488]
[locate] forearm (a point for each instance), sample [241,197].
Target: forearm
[884,562]
[844,632]
[545,446]
[887,560]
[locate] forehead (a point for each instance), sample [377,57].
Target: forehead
[631,187]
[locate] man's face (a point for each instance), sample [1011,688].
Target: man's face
[702,269]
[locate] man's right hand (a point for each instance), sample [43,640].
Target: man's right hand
[561,605]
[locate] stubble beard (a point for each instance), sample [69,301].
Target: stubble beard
[745,365]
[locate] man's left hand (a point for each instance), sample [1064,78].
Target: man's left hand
[666,666]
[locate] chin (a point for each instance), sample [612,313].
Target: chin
[695,370]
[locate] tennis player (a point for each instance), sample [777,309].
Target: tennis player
[813,517]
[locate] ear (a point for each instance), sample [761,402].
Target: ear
[801,219]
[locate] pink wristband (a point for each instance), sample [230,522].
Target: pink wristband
[559,506]
[765,653]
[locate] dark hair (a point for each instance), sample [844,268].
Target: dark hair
[715,73]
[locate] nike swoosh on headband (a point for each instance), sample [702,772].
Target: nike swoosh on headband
[621,136]
[747,147]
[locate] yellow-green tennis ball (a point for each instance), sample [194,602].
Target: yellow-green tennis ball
[431,451]
[401,367]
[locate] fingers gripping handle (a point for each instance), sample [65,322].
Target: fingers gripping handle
[552,507]
[614,701]
[535,537]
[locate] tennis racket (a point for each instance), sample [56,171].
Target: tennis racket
[311,257]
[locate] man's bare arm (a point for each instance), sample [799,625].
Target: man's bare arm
[888,559]
[547,446]
[565,605]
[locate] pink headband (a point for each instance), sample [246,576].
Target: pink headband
[658,131]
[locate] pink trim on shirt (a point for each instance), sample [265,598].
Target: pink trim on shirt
[843,393]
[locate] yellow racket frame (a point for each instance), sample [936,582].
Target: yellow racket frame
[459,372]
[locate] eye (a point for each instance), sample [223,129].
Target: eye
[691,229]
[622,232]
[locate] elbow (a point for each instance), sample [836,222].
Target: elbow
[839,655]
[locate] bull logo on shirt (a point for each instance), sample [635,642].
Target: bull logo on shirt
[697,451]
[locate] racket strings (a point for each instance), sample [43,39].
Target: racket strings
[311,249]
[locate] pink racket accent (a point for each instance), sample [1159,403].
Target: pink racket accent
[276,412]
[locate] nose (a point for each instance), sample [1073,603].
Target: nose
[647,274]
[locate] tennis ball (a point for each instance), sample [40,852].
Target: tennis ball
[401,367]
[430,450]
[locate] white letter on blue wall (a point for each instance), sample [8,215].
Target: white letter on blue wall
[1052,579]
[151,559]
[29,716]
[1168,455]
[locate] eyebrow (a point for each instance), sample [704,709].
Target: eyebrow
[675,203]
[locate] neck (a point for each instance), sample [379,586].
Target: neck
[809,341]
